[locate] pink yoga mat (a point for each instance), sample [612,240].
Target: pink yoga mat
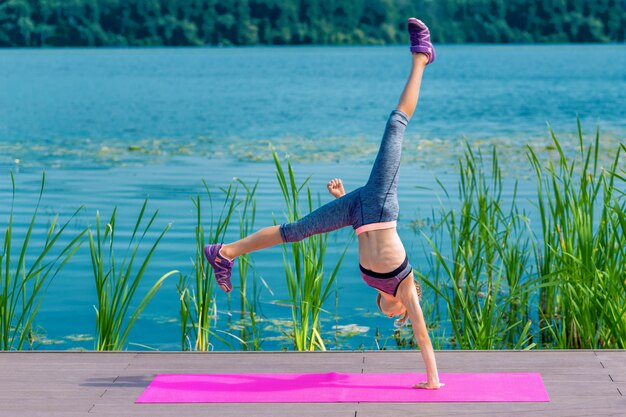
[341,387]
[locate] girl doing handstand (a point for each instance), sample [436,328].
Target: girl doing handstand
[372,210]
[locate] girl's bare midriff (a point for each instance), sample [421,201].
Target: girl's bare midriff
[381,250]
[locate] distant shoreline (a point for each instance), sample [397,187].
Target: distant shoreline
[303,22]
[294,46]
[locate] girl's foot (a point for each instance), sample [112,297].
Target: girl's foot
[420,39]
[335,187]
[222,266]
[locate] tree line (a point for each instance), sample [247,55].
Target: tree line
[35,23]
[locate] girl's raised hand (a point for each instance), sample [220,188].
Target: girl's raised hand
[335,187]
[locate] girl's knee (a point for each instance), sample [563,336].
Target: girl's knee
[294,232]
[283,233]
[398,116]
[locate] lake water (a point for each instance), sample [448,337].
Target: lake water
[112,126]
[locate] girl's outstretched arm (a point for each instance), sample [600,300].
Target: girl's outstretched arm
[408,295]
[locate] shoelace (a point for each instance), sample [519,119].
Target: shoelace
[221,269]
[415,37]
[222,273]
[222,277]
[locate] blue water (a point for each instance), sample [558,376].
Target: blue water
[111,127]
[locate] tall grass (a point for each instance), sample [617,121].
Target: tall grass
[582,248]
[250,333]
[307,284]
[480,275]
[505,286]
[25,280]
[116,285]
[197,303]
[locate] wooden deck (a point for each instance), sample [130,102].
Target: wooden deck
[68,384]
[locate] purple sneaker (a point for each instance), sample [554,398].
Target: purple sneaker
[221,266]
[420,38]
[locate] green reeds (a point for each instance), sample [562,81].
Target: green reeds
[582,249]
[504,286]
[117,285]
[23,282]
[197,304]
[480,276]
[307,285]
[250,333]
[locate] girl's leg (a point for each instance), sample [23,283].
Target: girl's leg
[382,183]
[334,215]
[422,54]
[331,216]
[410,95]
[260,239]
[221,256]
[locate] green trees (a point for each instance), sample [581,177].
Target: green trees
[249,22]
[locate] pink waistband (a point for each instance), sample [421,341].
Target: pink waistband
[375,226]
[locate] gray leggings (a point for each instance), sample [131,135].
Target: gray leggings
[376,201]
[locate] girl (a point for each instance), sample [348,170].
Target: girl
[372,210]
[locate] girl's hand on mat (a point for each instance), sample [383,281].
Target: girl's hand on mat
[427,385]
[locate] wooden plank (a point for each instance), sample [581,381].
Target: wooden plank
[582,389]
[25,388]
[46,402]
[442,366]
[225,410]
[617,376]
[16,381]
[132,380]
[27,365]
[558,376]
[614,364]
[27,412]
[258,368]
[290,355]
[121,392]
[613,354]
[69,383]
[519,354]
[418,366]
[16,390]
[568,407]
[211,358]
[9,357]
[50,378]
[254,362]
[490,360]
[58,404]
